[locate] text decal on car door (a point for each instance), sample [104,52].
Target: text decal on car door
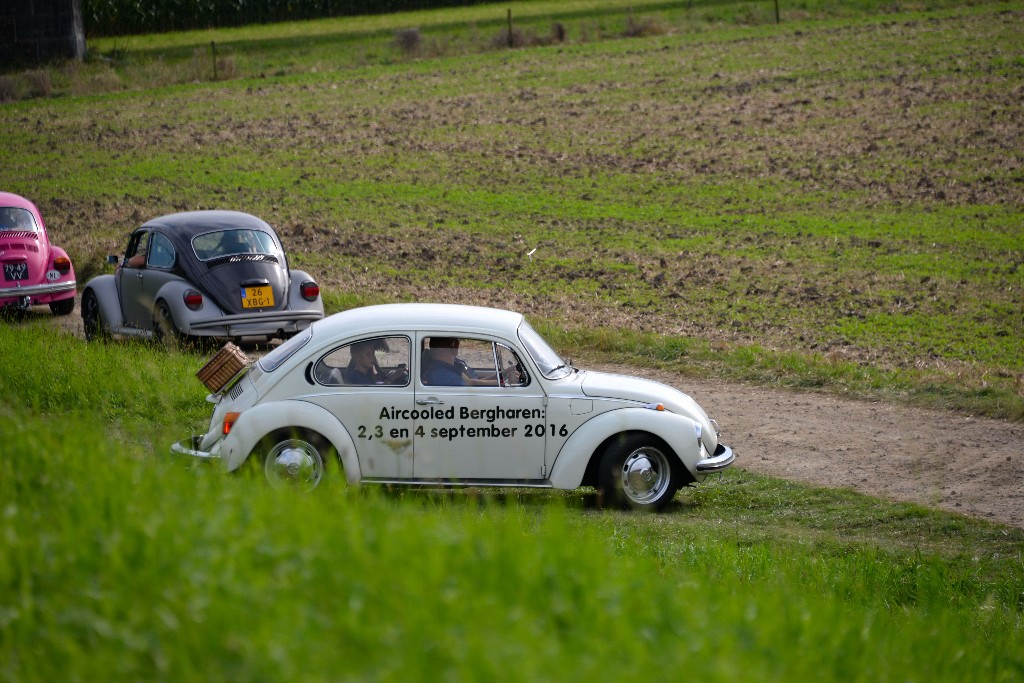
[257,297]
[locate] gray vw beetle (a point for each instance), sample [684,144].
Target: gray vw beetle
[220,274]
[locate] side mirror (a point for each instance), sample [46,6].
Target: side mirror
[112,260]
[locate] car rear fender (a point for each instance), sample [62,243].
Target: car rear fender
[105,289]
[295,300]
[173,292]
[57,252]
[261,420]
[678,431]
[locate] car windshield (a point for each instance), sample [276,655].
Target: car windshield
[273,360]
[213,245]
[547,359]
[16,219]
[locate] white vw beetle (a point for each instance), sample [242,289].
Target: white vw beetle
[436,394]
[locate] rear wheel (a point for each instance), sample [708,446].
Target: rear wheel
[164,330]
[62,307]
[293,458]
[637,472]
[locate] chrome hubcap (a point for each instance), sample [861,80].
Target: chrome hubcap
[646,475]
[294,463]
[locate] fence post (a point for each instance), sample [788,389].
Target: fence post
[777,12]
[213,52]
[510,27]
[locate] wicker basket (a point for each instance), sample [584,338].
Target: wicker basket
[228,362]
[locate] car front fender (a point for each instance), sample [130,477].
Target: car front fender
[104,287]
[261,420]
[678,431]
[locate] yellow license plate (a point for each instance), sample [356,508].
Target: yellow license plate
[257,297]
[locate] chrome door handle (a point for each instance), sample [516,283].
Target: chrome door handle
[429,402]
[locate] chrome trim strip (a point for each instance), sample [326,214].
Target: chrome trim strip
[443,483]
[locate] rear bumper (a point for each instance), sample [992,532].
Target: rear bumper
[722,459]
[37,291]
[190,447]
[246,324]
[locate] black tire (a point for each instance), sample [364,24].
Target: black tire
[293,458]
[62,307]
[92,321]
[164,330]
[638,472]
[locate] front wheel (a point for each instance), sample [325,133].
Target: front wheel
[636,472]
[91,320]
[293,459]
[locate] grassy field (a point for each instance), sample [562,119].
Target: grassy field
[121,562]
[832,203]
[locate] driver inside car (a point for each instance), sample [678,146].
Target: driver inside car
[445,368]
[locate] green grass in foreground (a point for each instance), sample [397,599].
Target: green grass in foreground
[120,561]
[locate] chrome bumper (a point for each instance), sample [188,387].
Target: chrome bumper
[722,459]
[191,448]
[37,290]
[271,317]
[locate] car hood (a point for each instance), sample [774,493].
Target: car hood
[623,387]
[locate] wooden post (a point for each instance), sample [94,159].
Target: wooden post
[777,12]
[510,27]
[213,51]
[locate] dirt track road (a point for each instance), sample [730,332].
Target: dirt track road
[968,465]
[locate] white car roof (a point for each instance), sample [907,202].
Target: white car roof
[453,318]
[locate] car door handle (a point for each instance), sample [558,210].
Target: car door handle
[429,402]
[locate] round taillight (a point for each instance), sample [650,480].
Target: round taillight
[193,300]
[309,290]
[62,264]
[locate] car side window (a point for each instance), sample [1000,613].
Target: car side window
[513,372]
[461,361]
[367,362]
[161,253]
[135,256]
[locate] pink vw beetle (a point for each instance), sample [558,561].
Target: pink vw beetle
[34,271]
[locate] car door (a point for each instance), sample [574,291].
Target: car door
[488,428]
[160,261]
[376,409]
[131,282]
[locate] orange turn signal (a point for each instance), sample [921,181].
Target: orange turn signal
[229,421]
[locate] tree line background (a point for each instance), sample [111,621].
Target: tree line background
[125,17]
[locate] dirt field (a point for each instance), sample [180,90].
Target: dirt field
[967,465]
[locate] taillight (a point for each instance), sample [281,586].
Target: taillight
[229,421]
[62,264]
[193,300]
[309,290]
